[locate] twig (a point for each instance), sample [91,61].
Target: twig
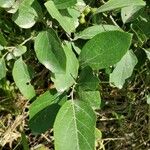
[47,139]
[113,139]
[108,119]
[72,92]
[141,144]
[113,21]
[30,38]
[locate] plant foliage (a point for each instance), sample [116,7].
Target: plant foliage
[72,41]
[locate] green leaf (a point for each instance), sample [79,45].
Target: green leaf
[148,99]
[98,134]
[24,141]
[42,102]
[27,2]
[13,9]
[116,4]
[147,51]
[123,69]
[66,22]
[141,26]
[130,13]
[74,14]
[71,16]
[62,4]
[26,16]
[6,3]
[74,127]
[105,49]
[87,80]
[76,48]
[1,48]
[38,8]
[44,120]
[22,79]
[62,81]
[138,32]
[19,50]
[92,98]
[90,32]
[2,68]
[50,52]
[3,41]
[42,112]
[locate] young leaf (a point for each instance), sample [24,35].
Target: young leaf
[123,69]
[26,16]
[6,3]
[74,127]
[130,13]
[105,49]
[91,97]
[62,4]
[50,52]
[87,80]
[19,50]
[90,32]
[63,81]
[2,68]
[42,112]
[22,79]
[116,4]
[66,23]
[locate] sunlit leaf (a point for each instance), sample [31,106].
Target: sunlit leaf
[62,4]
[90,32]
[74,127]
[50,52]
[6,3]
[105,49]
[26,16]
[123,69]
[130,13]
[92,98]
[22,79]
[116,4]
[62,81]
[66,23]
